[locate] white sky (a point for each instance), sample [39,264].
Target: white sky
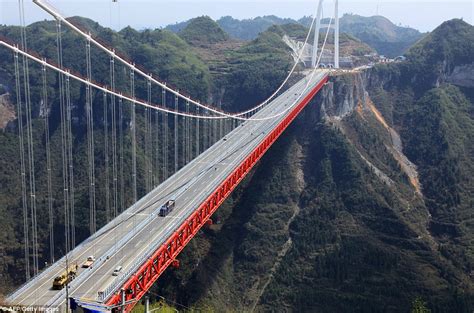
[423,15]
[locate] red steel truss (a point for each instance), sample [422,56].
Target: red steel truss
[139,283]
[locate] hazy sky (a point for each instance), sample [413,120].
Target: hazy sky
[420,14]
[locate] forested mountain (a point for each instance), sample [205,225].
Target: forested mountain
[376,31]
[380,33]
[364,205]
[203,30]
[246,29]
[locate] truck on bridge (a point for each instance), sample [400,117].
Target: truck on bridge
[88,263]
[62,280]
[167,207]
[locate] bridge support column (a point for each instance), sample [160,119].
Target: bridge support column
[314,56]
[147,304]
[122,307]
[316,35]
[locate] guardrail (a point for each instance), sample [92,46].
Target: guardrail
[24,286]
[114,286]
[105,256]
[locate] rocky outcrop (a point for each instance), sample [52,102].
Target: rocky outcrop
[341,96]
[462,76]
[345,95]
[7,111]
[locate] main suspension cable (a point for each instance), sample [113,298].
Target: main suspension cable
[57,15]
[67,73]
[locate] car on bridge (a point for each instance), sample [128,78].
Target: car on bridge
[117,270]
[167,207]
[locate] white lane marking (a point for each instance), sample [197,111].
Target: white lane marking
[75,260]
[107,273]
[169,217]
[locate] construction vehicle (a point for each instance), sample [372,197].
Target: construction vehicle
[67,276]
[88,263]
[167,207]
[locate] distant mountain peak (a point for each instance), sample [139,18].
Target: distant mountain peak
[449,46]
[380,33]
[376,31]
[203,30]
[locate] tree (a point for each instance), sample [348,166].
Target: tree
[419,306]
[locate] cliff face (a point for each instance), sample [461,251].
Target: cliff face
[7,112]
[333,219]
[462,75]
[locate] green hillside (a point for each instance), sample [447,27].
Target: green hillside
[203,30]
[380,33]
[376,31]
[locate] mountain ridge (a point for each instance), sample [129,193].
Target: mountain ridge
[377,31]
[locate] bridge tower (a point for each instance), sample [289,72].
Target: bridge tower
[334,25]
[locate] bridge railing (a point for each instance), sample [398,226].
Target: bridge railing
[103,258]
[124,277]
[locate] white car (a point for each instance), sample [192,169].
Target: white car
[117,270]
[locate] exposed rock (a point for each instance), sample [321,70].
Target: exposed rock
[340,98]
[7,111]
[462,76]
[346,94]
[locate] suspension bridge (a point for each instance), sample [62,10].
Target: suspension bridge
[196,154]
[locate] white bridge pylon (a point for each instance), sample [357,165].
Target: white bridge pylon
[335,25]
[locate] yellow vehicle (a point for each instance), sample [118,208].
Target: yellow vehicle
[60,281]
[88,263]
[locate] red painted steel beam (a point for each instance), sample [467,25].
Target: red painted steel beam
[148,273]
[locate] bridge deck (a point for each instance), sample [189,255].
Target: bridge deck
[139,230]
